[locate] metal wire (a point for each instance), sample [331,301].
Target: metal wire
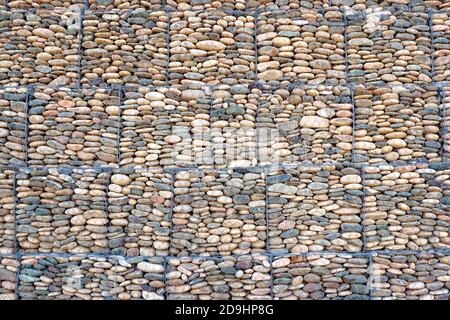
[255,13]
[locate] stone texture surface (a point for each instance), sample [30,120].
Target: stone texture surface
[301,46]
[166,127]
[182,5]
[124,47]
[424,276]
[320,277]
[211,47]
[73,127]
[46,4]
[314,208]
[397,124]
[39,47]
[139,210]
[389,48]
[307,124]
[445,131]
[133,136]
[125,5]
[62,210]
[219,279]
[407,207]
[7,241]
[233,126]
[218,212]
[91,278]
[13,111]
[8,274]
[441,41]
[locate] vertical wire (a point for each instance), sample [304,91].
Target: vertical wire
[346,46]
[80,50]
[266,209]
[444,127]
[430,25]
[16,243]
[30,93]
[168,18]
[363,207]
[120,128]
[255,36]
[352,97]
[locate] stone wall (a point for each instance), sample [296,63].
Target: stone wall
[203,149]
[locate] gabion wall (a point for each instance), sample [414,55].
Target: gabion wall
[233,149]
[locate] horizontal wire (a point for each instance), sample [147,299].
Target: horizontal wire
[237,256]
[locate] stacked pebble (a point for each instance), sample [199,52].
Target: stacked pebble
[124,47]
[406,207]
[81,277]
[441,42]
[233,126]
[423,276]
[286,5]
[301,46]
[227,278]
[105,5]
[12,125]
[424,5]
[314,208]
[61,210]
[399,123]
[211,47]
[320,277]
[139,210]
[8,272]
[7,238]
[205,4]
[46,4]
[311,123]
[166,127]
[39,47]
[389,48]
[218,212]
[73,127]
[445,127]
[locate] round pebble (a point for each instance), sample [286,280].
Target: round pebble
[12,125]
[8,273]
[124,47]
[218,212]
[423,276]
[397,124]
[389,48]
[61,210]
[73,127]
[233,126]
[123,4]
[181,5]
[91,278]
[139,208]
[167,127]
[406,207]
[219,279]
[7,242]
[314,208]
[46,4]
[441,43]
[211,47]
[307,124]
[320,277]
[39,47]
[301,46]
